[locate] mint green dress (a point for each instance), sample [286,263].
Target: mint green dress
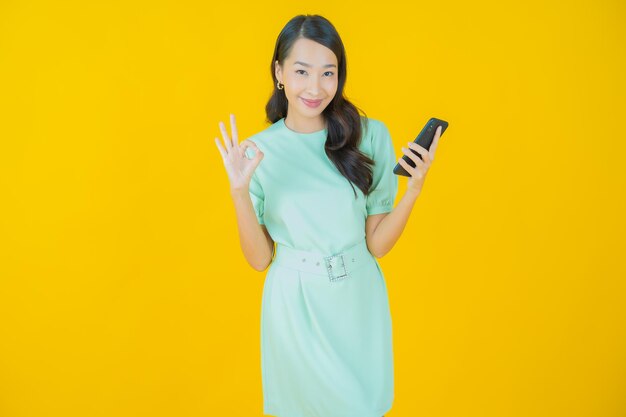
[326,348]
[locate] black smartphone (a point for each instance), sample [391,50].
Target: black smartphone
[424,139]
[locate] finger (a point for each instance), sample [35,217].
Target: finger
[413,157]
[257,158]
[407,167]
[246,143]
[409,154]
[419,170]
[221,148]
[435,143]
[422,151]
[235,136]
[233,129]
[255,161]
[225,136]
[418,148]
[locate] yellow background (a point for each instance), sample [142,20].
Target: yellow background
[123,290]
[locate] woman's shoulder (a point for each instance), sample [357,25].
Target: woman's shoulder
[262,136]
[372,125]
[374,133]
[263,139]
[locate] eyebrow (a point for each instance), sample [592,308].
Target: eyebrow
[309,65]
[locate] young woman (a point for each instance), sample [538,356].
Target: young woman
[324,194]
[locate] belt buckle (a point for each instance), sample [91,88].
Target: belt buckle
[336,267]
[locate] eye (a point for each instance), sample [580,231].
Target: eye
[327,72]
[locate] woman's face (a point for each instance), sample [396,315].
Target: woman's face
[308,73]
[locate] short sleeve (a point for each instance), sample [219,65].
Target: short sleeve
[258,197]
[385,183]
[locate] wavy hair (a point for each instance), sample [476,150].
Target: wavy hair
[342,117]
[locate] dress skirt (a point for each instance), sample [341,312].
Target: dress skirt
[326,337]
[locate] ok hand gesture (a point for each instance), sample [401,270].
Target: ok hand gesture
[238,167]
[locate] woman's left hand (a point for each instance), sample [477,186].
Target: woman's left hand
[418,174]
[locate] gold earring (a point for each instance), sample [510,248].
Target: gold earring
[279,85]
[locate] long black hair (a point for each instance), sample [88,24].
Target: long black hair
[342,117]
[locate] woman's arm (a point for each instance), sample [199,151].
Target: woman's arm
[255,241]
[382,231]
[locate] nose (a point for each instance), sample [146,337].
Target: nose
[313,87]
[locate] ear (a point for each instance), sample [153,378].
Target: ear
[277,71]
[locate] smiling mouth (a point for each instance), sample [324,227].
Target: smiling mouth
[311,101]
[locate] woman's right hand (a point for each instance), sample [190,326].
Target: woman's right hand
[238,166]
